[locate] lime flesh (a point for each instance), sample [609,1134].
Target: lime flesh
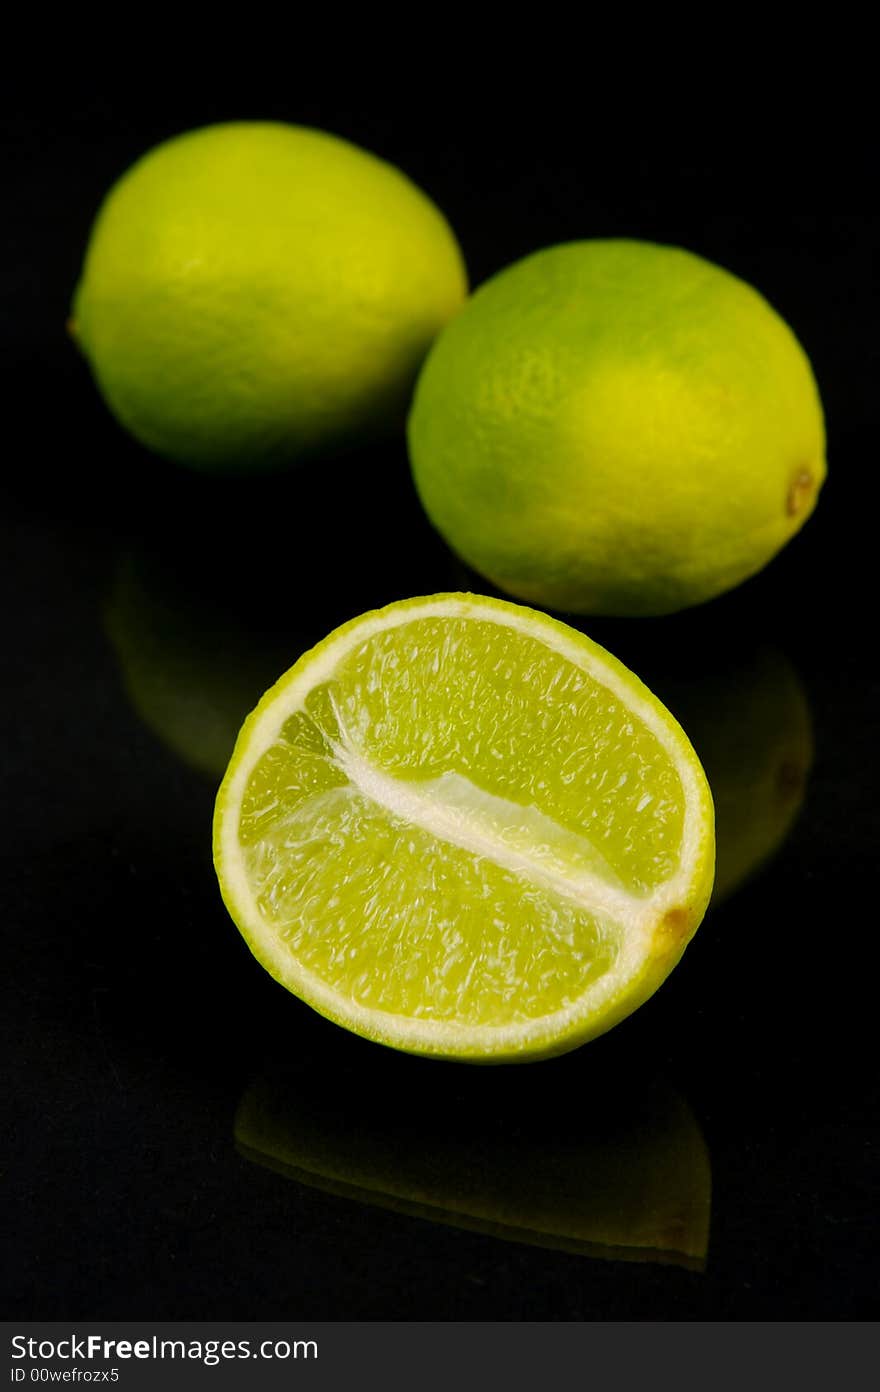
[461,828]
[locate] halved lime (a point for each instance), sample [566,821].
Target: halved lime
[460,828]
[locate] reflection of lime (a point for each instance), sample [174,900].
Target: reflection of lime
[750,725]
[631,1182]
[255,291]
[192,669]
[616,427]
[461,828]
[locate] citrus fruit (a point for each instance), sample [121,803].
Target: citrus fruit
[617,427]
[256,291]
[627,1178]
[460,828]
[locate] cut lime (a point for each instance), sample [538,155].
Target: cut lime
[460,828]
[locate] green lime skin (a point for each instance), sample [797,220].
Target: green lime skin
[255,292]
[616,427]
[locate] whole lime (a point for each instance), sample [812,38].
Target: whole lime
[617,427]
[255,291]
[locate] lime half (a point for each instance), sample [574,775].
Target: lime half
[460,828]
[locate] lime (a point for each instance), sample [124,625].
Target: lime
[460,828]
[256,291]
[626,1179]
[617,427]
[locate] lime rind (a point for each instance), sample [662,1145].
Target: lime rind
[650,929]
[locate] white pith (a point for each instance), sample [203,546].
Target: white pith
[420,808]
[636,915]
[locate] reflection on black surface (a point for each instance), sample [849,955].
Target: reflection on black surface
[750,724]
[228,582]
[192,666]
[621,1172]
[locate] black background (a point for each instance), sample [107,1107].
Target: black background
[136,1017]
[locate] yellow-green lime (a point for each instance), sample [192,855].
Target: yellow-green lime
[461,828]
[617,427]
[256,291]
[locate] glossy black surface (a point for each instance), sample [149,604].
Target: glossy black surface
[145,609]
